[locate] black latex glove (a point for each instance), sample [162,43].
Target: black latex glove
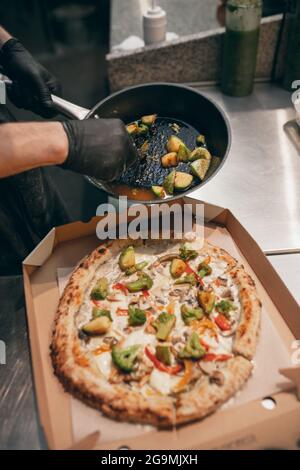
[101,148]
[32,83]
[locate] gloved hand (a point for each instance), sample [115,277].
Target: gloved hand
[32,83]
[101,148]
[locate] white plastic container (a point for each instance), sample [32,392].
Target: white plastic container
[154,25]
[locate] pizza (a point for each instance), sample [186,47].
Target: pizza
[158,332]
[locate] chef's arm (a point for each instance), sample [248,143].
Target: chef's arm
[100,148]
[24,146]
[4,36]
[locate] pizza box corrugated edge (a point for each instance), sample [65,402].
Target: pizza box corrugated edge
[252,427]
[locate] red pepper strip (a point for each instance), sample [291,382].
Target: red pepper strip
[204,344]
[216,357]
[222,322]
[122,312]
[160,366]
[189,270]
[145,293]
[97,302]
[121,287]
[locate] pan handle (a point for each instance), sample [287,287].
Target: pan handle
[62,106]
[69,109]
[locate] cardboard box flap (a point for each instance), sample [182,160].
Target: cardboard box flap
[293,374]
[42,251]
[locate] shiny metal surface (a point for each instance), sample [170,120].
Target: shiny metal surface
[69,109]
[259,183]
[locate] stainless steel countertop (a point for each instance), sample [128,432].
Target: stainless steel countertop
[259,183]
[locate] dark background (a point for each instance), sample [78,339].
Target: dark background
[70,38]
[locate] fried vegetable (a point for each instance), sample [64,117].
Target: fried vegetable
[141,265]
[200,153]
[206,300]
[177,267]
[127,258]
[125,358]
[200,139]
[137,267]
[169,182]
[136,316]
[130,271]
[100,291]
[158,191]
[169,159]
[132,128]
[189,314]
[193,348]
[188,279]
[163,354]
[225,306]
[182,180]
[142,129]
[149,119]
[144,282]
[204,269]
[199,167]
[145,147]
[174,143]
[98,326]
[175,127]
[164,324]
[101,312]
[187,254]
[183,153]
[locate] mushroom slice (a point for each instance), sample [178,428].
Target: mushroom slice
[168,257]
[217,377]
[208,367]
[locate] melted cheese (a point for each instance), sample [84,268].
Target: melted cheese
[180,325]
[139,337]
[163,382]
[120,323]
[196,244]
[104,363]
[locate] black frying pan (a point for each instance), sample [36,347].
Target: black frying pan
[197,113]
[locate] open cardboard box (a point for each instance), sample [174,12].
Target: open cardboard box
[250,426]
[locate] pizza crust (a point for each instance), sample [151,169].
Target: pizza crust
[215,251]
[246,336]
[206,397]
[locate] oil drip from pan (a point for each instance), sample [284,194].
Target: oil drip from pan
[148,170]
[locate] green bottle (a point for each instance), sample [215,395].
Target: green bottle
[240,47]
